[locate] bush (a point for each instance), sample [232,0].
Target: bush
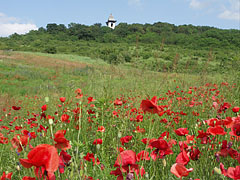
[50,50]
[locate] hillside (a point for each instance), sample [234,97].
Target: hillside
[158,47]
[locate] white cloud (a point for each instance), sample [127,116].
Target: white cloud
[8,29]
[195,4]
[11,25]
[224,9]
[232,11]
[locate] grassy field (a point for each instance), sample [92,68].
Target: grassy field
[117,98]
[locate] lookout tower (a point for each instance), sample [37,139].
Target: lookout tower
[111,22]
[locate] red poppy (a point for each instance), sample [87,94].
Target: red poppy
[97,141]
[118,173]
[182,158]
[44,107]
[6,176]
[19,141]
[139,118]
[16,108]
[217,130]
[62,99]
[224,107]
[143,155]
[65,118]
[78,93]
[227,150]
[118,102]
[139,130]
[126,163]
[236,109]
[125,139]
[150,106]
[235,130]
[194,154]
[63,161]
[62,142]
[231,172]
[101,129]
[3,140]
[90,99]
[181,131]
[43,156]
[162,149]
[180,170]
[204,136]
[190,139]
[223,171]
[28,178]
[126,158]
[90,157]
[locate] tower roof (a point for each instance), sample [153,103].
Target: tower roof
[111,18]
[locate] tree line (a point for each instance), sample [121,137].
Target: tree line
[185,35]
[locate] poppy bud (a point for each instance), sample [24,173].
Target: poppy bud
[50,121]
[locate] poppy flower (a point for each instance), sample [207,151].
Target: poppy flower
[44,107]
[65,118]
[118,173]
[224,107]
[126,158]
[139,130]
[16,108]
[182,158]
[181,131]
[62,99]
[125,139]
[231,172]
[235,130]
[28,178]
[3,140]
[162,149]
[223,171]
[90,99]
[118,102]
[90,157]
[101,129]
[204,136]
[194,154]
[150,106]
[97,141]
[217,130]
[180,170]
[6,176]
[64,160]
[236,109]
[139,118]
[78,93]
[227,150]
[143,155]
[19,141]
[126,163]
[42,156]
[62,142]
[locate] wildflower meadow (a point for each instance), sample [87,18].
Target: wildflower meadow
[69,119]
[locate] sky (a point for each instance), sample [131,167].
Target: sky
[21,16]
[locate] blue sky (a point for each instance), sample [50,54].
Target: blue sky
[23,15]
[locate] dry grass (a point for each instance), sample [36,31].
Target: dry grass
[40,61]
